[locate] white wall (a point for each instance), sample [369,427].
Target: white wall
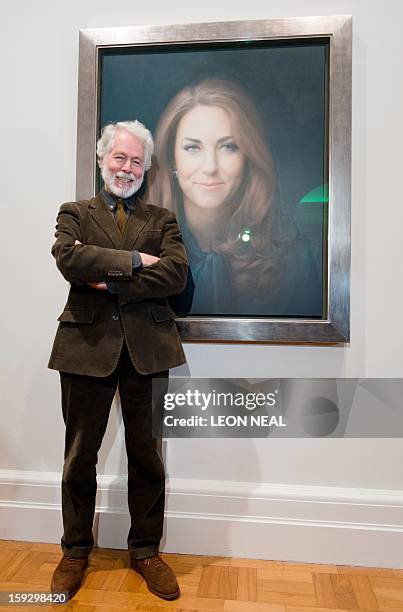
[39,48]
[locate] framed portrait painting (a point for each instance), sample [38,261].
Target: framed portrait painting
[252,129]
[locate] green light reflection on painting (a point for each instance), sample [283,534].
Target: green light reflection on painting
[318,195]
[245,235]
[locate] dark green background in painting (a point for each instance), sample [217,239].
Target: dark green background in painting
[288,83]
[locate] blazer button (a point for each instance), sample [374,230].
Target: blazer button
[115,317]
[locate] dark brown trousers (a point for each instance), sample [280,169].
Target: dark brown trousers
[86,403]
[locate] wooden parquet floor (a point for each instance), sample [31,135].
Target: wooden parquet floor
[210,584]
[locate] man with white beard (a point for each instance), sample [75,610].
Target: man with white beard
[123,259]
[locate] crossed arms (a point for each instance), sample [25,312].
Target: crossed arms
[91,264]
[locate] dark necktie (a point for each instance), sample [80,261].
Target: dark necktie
[120,216]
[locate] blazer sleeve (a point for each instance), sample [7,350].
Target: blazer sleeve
[166,277]
[86,263]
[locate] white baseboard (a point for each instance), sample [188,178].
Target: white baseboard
[261,521]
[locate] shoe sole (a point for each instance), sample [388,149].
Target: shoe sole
[167,596]
[164,595]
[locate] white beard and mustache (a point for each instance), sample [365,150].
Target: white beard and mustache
[127,190]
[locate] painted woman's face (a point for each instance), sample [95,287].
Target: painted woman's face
[208,160]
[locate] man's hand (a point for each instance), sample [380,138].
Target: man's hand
[99,286]
[148,260]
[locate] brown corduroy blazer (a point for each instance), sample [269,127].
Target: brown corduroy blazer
[94,323]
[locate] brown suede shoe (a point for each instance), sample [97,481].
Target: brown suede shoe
[158,575]
[68,575]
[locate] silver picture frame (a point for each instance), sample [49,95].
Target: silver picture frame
[334,326]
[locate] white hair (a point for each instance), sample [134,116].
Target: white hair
[136,128]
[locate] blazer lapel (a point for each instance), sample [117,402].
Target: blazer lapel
[135,223]
[103,217]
